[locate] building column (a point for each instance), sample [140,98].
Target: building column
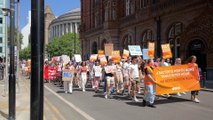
[67,28]
[71,27]
[76,27]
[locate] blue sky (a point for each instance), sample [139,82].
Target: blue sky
[58,7]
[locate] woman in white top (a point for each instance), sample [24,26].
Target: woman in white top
[83,73]
[97,69]
[119,78]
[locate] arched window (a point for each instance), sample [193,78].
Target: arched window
[174,38]
[127,41]
[94,48]
[146,37]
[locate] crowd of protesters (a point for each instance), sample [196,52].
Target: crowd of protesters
[120,78]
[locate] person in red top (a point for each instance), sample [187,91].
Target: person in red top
[46,71]
[83,73]
[192,63]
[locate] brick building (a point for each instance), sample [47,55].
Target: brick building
[186,24]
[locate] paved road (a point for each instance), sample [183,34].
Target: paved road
[89,105]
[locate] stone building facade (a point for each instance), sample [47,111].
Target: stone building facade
[66,23]
[49,17]
[186,24]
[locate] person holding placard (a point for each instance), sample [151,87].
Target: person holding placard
[97,75]
[125,67]
[134,76]
[178,62]
[109,73]
[83,73]
[192,63]
[119,78]
[67,78]
[149,85]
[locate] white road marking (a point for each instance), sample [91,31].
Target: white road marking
[71,105]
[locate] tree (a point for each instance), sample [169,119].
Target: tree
[15,36]
[63,45]
[25,53]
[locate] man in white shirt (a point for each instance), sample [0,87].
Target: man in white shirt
[134,76]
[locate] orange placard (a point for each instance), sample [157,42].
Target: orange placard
[103,60]
[151,50]
[93,57]
[166,51]
[108,48]
[173,79]
[125,54]
[100,53]
[116,56]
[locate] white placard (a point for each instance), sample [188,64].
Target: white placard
[135,49]
[78,58]
[65,58]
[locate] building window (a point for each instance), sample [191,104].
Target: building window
[96,20]
[114,13]
[146,37]
[94,48]
[1,39]
[1,20]
[127,7]
[144,3]
[1,50]
[174,38]
[127,41]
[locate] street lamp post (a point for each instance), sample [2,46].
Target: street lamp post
[74,39]
[37,57]
[18,43]
[12,80]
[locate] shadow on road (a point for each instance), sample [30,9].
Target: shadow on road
[170,100]
[161,101]
[3,114]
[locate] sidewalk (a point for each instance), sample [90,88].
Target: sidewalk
[22,101]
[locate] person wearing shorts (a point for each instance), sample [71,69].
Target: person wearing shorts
[134,76]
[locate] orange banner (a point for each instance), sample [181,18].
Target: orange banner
[166,51]
[151,50]
[173,79]
[116,56]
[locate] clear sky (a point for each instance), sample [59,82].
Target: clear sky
[58,7]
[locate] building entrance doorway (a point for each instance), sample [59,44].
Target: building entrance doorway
[197,48]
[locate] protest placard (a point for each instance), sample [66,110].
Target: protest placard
[93,57]
[125,54]
[151,50]
[108,48]
[78,58]
[166,51]
[145,54]
[116,56]
[135,49]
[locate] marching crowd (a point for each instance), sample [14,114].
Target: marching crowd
[118,77]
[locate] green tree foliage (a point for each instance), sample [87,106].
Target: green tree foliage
[15,36]
[63,45]
[25,53]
